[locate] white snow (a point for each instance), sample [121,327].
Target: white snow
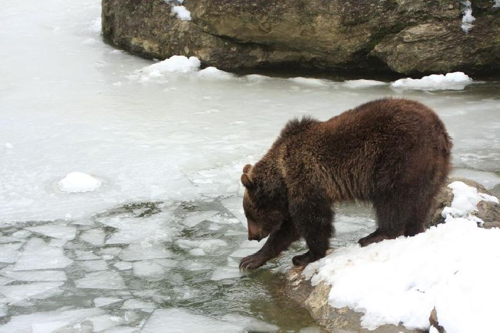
[179,320]
[309,82]
[465,200]
[467,19]
[174,64]
[445,267]
[213,73]
[182,13]
[39,255]
[9,145]
[361,84]
[450,81]
[77,182]
[101,280]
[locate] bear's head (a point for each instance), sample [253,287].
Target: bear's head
[263,203]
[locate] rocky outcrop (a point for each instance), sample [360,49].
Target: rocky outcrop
[405,36]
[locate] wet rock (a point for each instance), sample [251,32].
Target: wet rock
[402,36]
[489,212]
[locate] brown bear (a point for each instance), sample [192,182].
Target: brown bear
[392,152]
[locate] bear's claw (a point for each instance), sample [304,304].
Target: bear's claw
[252,262]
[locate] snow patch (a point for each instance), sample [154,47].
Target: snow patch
[361,84]
[450,81]
[182,13]
[214,74]
[465,200]
[174,64]
[467,19]
[77,182]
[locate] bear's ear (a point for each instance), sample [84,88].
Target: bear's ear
[247,168]
[247,181]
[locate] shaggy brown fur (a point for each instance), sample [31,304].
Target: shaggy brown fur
[392,152]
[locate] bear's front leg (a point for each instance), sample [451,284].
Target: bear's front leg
[277,242]
[315,225]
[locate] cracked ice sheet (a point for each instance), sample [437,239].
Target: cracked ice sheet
[94,237]
[39,255]
[141,251]
[9,252]
[56,319]
[55,231]
[178,320]
[133,229]
[40,290]
[34,276]
[101,280]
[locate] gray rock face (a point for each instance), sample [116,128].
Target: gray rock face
[404,36]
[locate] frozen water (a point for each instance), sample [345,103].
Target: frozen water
[132,304]
[86,255]
[178,320]
[213,73]
[193,219]
[144,251]
[105,301]
[39,255]
[32,276]
[250,324]
[223,273]
[207,245]
[77,182]
[93,265]
[9,252]
[104,322]
[123,265]
[149,269]
[101,280]
[16,293]
[94,236]
[55,231]
[54,320]
[133,229]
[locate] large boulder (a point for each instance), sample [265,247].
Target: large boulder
[405,36]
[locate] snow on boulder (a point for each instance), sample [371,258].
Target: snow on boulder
[174,64]
[77,182]
[451,267]
[182,13]
[450,81]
